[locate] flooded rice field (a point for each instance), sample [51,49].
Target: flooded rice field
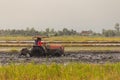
[84,57]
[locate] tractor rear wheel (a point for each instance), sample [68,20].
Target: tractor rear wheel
[37,51]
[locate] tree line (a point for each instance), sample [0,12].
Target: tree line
[32,32]
[64,31]
[112,32]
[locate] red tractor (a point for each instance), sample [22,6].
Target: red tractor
[43,49]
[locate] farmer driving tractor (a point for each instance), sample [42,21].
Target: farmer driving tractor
[41,49]
[38,40]
[39,43]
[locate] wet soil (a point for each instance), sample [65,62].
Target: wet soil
[83,57]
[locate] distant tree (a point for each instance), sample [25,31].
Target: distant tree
[108,33]
[31,32]
[117,27]
[103,32]
[47,30]
[73,32]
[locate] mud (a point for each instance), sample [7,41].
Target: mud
[84,57]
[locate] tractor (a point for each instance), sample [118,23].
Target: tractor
[41,48]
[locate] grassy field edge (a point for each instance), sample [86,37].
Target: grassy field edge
[62,38]
[70,71]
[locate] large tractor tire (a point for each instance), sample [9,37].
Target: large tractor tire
[25,52]
[57,53]
[37,51]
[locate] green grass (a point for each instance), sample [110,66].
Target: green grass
[67,49]
[62,38]
[82,38]
[71,71]
[17,38]
[11,49]
[76,49]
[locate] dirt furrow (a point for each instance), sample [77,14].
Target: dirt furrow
[89,57]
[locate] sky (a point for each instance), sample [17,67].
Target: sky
[58,14]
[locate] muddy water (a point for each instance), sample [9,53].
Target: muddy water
[7,58]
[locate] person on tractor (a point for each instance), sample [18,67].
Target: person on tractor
[38,40]
[39,43]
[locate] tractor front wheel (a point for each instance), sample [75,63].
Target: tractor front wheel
[58,53]
[25,52]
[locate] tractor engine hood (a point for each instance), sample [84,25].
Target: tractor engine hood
[53,46]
